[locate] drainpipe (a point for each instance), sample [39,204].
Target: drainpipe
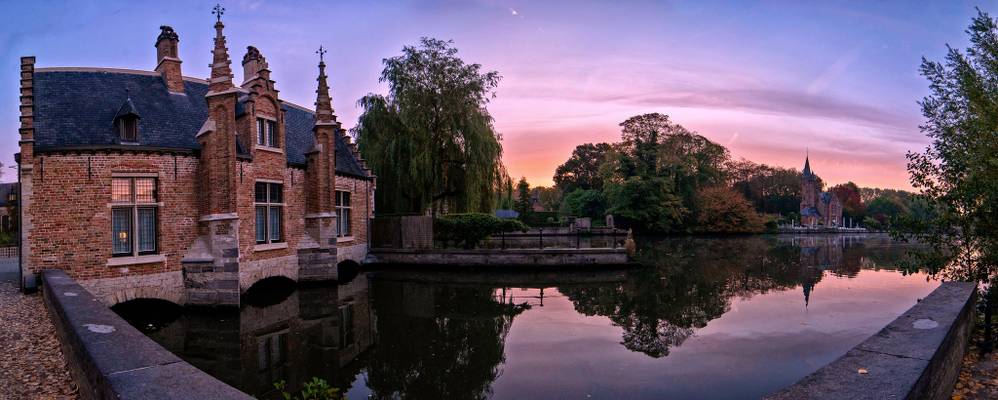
[20,239]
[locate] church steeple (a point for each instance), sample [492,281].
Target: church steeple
[807,167]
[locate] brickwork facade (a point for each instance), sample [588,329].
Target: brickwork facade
[207,208]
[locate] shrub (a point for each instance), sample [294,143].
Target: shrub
[317,389]
[468,230]
[541,218]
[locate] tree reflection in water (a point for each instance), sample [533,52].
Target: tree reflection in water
[438,342]
[687,282]
[442,335]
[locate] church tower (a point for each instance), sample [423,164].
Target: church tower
[808,195]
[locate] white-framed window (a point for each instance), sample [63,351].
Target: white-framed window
[342,213]
[134,219]
[266,133]
[269,202]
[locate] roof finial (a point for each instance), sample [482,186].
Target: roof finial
[321,52]
[218,10]
[323,103]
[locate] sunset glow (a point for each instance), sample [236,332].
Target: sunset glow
[768,81]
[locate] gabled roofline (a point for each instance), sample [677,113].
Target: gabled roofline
[113,71]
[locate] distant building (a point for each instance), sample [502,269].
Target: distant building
[817,207]
[8,211]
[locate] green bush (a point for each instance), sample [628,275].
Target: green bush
[541,219]
[468,230]
[317,389]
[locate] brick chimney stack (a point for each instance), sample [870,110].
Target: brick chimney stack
[167,60]
[255,65]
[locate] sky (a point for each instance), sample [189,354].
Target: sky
[769,80]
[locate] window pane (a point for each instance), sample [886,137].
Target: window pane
[129,129]
[261,224]
[272,133]
[346,222]
[147,229]
[339,198]
[121,229]
[260,133]
[275,224]
[261,192]
[276,193]
[339,219]
[346,199]
[121,190]
[145,190]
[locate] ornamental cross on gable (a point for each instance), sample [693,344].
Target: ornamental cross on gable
[218,10]
[321,52]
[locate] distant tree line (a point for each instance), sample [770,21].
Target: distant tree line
[663,178]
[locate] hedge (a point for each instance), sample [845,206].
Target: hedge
[468,230]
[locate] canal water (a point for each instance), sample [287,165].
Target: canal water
[704,318]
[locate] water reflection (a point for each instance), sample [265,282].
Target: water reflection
[703,317]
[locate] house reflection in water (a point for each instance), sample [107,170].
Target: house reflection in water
[311,332]
[443,334]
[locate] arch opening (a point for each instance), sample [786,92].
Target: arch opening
[269,291]
[148,315]
[346,271]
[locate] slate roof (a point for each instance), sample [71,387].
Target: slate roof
[76,108]
[810,211]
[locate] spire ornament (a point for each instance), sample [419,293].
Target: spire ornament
[221,73]
[323,103]
[218,10]
[321,52]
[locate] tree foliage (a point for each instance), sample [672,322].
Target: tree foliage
[722,210]
[584,203]
[581,170]
[958,173]
[852,202]
[523,205]
[772,190]
[431,141]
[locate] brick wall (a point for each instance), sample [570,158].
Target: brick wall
[71,216]
[361,201]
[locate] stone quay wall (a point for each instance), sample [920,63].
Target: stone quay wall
[109,359]
[917,356]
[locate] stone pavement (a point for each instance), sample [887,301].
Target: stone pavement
[31,362]
[979,374]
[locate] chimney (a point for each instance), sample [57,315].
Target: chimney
[167,61]
[254,65]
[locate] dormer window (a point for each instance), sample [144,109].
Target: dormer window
[128,127]
[126,120]
[266,133]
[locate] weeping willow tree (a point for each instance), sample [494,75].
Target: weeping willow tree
[431,141]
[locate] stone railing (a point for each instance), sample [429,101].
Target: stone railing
[109,359]
[917,356]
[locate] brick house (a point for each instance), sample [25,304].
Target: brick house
[150,184]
